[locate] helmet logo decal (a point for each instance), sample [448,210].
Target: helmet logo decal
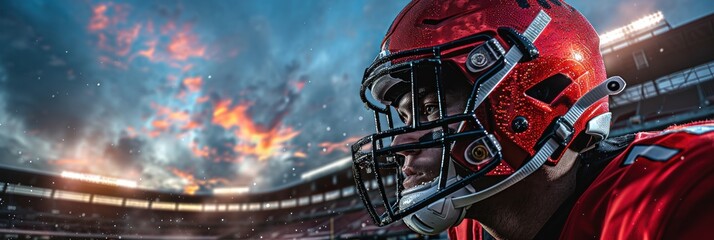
[484,56]
[478,60]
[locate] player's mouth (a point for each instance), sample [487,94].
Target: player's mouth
[416,179]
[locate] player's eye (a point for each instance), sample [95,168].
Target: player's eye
[430,109]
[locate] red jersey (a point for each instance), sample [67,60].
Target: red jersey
[659,186]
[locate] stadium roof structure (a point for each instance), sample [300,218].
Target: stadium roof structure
[668,70]
[660,50]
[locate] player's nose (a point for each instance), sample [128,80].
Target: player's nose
[407,138]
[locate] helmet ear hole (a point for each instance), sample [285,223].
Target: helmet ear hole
[547,90]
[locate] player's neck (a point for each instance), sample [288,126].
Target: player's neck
[520,211]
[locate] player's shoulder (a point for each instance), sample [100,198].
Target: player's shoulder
[688,141]
[645,184]
[683,136]
[688,146]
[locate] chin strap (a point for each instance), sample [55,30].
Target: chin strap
[561,134]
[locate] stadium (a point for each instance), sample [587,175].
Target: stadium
[668,71]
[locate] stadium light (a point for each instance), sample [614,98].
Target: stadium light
[644,23]
[230,190]
[99,179]
[337,165]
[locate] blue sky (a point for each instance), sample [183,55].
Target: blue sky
[192,95]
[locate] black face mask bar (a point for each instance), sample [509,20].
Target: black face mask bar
[374,161]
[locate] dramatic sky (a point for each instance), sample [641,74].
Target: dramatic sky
[191,95]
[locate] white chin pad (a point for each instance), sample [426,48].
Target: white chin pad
[437,216]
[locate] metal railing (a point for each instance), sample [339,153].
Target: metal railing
[665,84]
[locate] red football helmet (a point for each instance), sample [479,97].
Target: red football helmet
[538,87]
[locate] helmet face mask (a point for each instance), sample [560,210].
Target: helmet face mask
[376,157]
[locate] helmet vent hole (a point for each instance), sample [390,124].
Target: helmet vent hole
[547,90]
[432,21]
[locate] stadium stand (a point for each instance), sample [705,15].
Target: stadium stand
[42,204]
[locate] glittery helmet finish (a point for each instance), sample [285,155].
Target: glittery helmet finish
[516,103]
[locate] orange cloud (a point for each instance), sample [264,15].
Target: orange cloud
[154,134]
[125,39]
[202,99]
[227,117]
[185,45]
[172,44]
[200,152]
[165,118]
[193,84]
[191,125]
[192,184]
[170,114]
[106,21]
[99,18]
[149,53]
[300,154]
[342,146]
[160,124]
[255,140]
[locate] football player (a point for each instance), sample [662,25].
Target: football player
[492,120]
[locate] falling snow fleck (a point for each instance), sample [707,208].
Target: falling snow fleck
[360,118]
[328,129]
